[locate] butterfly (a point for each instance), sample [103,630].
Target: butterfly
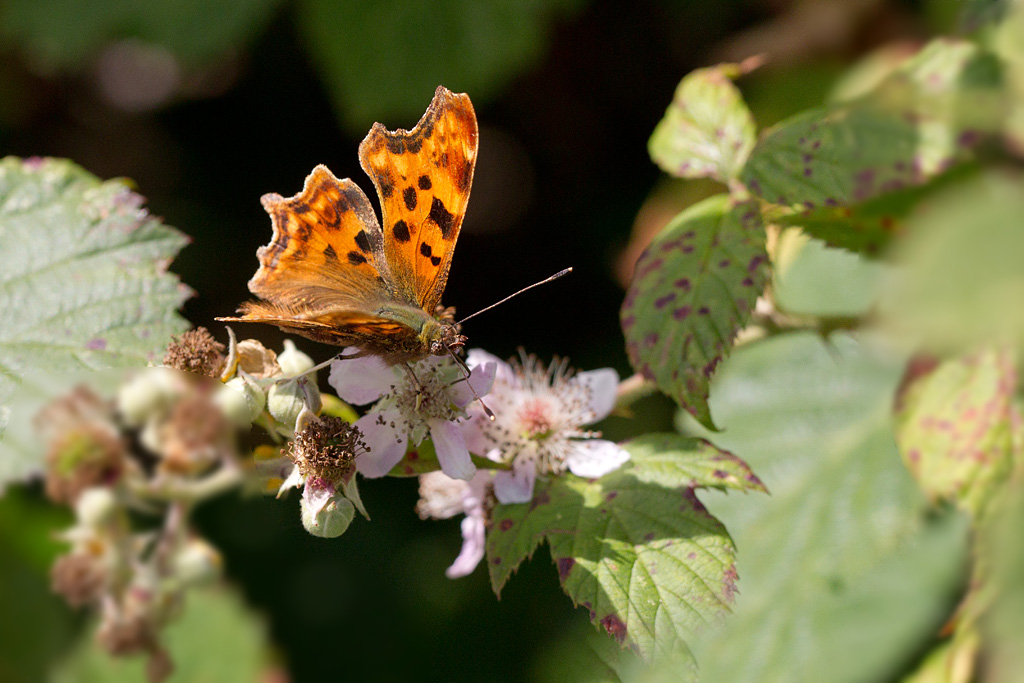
[332,273]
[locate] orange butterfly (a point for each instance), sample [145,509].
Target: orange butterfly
[332,274]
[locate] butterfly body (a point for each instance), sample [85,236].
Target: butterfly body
[334,274]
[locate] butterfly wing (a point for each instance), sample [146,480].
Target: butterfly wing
[324,273]
[423,178]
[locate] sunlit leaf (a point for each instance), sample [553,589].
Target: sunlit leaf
[83,277]
[707,131]
[693,289]
[917,123]
[635,548]
[841,576]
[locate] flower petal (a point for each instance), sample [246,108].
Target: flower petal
[317,494]
[386,446]
[603,385]
[361,380]
[595,458]
[515,485]
[503,371]
[472,546]
[451,449]
[480,376]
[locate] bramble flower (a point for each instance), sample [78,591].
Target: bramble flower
[421,398]
[539,414]
[442,497]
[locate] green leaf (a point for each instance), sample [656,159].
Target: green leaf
[693,289]
[839,580]
[817,280]
[210,616]
[382,60]
[955,426]
[917,123]
[635,548]
[67,34]
[83,280]
[707,131]
[962,282]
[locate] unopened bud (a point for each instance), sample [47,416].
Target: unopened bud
[149,393]
[325,512]
[96,507]
[292,361]
[288,398]
[197,563]
[242,400]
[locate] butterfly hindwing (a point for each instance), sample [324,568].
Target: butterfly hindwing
[423,178]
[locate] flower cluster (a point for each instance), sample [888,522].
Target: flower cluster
[534,428]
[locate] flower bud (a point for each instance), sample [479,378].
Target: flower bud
[242,400]
[292,361]
[197,563]
[287,399]
[325,512]
[96,507]
[149,393]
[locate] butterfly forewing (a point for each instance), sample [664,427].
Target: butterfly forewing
[423,178]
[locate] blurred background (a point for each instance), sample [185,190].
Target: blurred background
[208,105]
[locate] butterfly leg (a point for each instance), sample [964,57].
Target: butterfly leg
[465,378]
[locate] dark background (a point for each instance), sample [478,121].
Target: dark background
[562,175]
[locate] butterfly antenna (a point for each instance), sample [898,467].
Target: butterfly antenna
[466,371]
[557,275]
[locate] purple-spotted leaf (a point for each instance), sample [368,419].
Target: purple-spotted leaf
[707,131]
[83,278]
[693,289]
[921,120]
[635,548]
[955,426]
[674,460]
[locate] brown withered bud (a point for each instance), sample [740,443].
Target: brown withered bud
[327,448]
[85,448]
[196,351]
[257,360]
[123,633]
[195,436]
[79,577]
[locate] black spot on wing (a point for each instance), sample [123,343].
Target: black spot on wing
[436,260]
[330,254]
[395,145]
[401,231]
[424,183]
[409,197]
[300,207]
[444,219]
[425,249]
[363,241]
[387,187]
[355,258]
[414,144]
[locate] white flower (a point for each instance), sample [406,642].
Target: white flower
[442,497]
[416,399]
[539,414]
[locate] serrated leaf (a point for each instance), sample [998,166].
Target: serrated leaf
[210,616]
[693,289]
[839,580]
[635,548]
[917,123]
[673,460]
[954,426]
[962,282]
[708,130]
[83,279]
[59,34]
[474,46]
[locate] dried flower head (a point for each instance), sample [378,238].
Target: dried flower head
[85,447]
[195,436]
[326,449]
[257,360]
[196,351]
[79,577]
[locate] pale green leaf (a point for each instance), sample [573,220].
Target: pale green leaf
[707,131]
[962,283]
[83,279]
[838,580]
[693,289]
[954,426]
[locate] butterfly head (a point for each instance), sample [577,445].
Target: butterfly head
[446,339]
